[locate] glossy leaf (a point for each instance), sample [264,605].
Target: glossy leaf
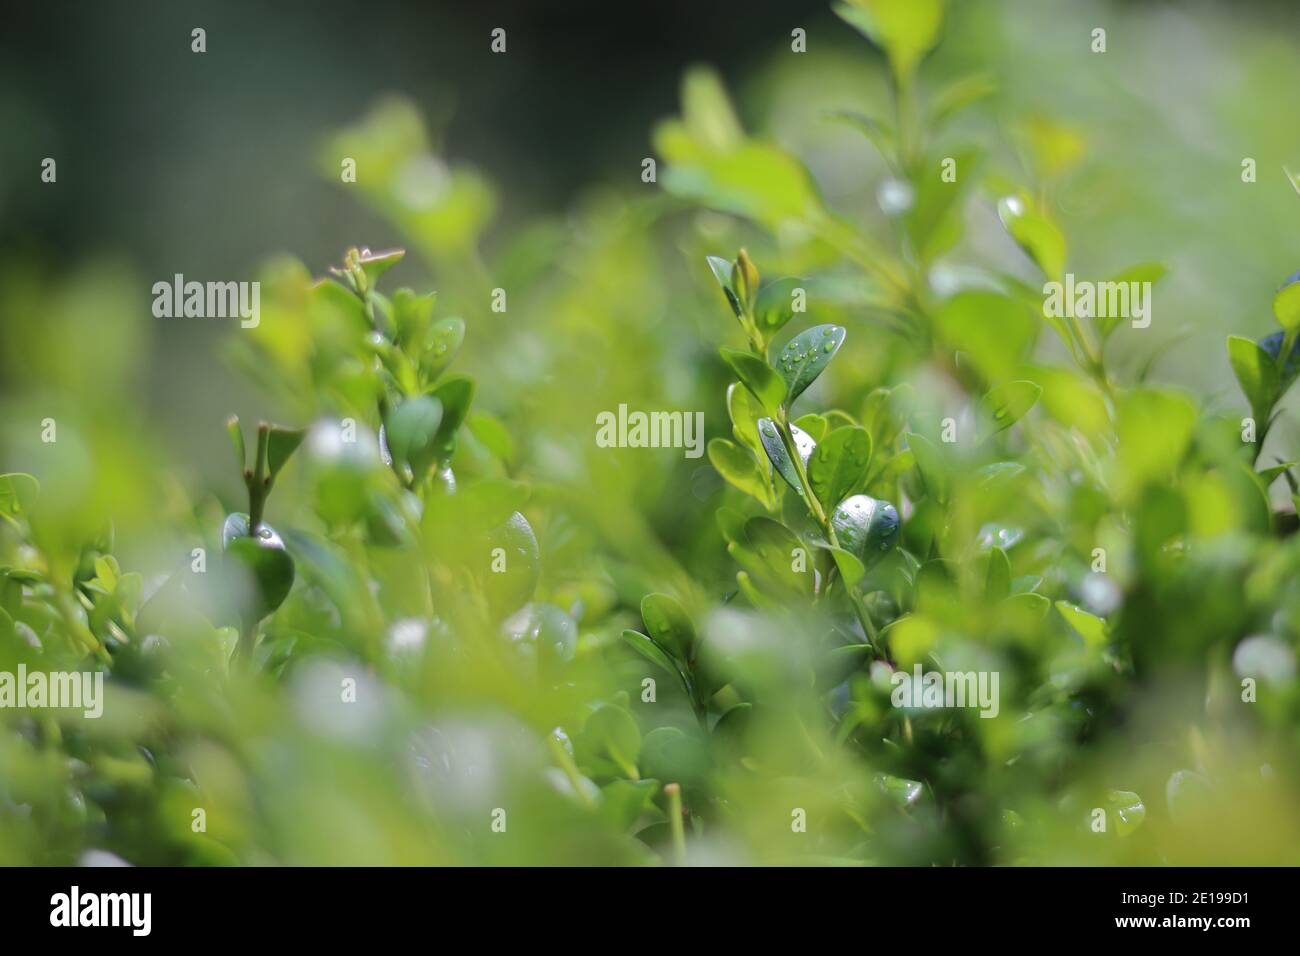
[722,271]
[806,356]
[866,527]
[235,526]
[264,558]
[839,465]
[776,451]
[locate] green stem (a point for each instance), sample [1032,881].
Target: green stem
[674,793]
[819,514]
[247,642]
[259,483]
[792,451]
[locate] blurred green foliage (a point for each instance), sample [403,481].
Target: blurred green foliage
[432,643]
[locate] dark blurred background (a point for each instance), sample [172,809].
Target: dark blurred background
[153,141]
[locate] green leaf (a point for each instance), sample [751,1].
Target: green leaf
[1090,627]
[669,624]
[480,506]
[1072,399]
[237,439]
[731,523]
[997,582]
[905,29]
[1037,235]
[931,465]
[1257,373]
[994,331]
[840,663]
[722,271]
[1128,809]
[1154,428]
[838,467]
[866,527]
[411,315]
[934,221]
[815,425]
[775,546]
[707,110]
[508,591]
[775,306]
[670,755]
[455,395]
[959,95]
[1145,272]
[1273,472]
[613,733]
[269,566]
[851,568]
[740,469]
[624,801]
[776,453]
[441,344]
[806,356]
[1289,369]
[18,490]
[375,264]
[281,443]
[1026,606]
[410,430]
[745,280]
[235,526]
[757,376]
[1006,404]
[1286,306]
[878,131]
[745,413]
[651,651]
[724,170]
